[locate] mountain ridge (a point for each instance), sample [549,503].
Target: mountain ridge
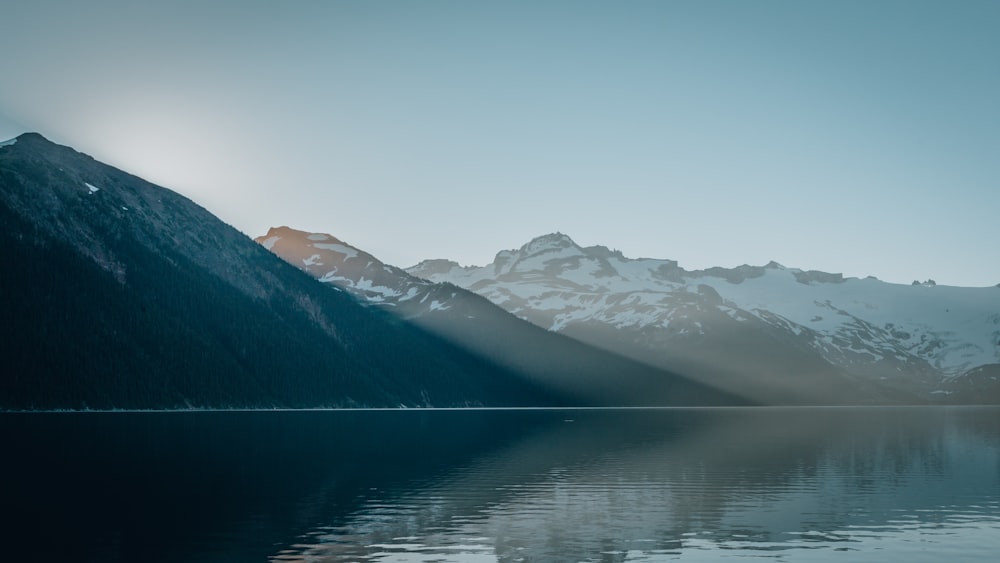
[591,375]
[914,338]
[544,241]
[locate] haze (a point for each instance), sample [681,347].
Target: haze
[854,137]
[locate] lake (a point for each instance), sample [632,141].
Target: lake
[777,484]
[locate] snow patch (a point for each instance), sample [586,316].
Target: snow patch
[318,237]
[347,251]
[332,276]
[268,243]
[410,294]
[367,286]
[312,261]
[93,189]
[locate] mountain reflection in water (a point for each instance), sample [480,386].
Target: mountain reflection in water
[797,484]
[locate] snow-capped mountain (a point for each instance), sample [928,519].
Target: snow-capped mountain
[591,375]
[760,320]
[346,267]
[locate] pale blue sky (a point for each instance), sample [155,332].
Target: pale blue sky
[860,137]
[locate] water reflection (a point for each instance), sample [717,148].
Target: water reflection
[204,486]
[914,484]
[634,485]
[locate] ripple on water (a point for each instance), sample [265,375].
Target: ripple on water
[883,488]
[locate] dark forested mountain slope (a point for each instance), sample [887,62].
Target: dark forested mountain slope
[116,293]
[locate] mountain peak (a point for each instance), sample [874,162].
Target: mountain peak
[31,135]
[28,138]
[276,233]
[279,231]
[433,266]
[288,231]
[556,237]
[544,243]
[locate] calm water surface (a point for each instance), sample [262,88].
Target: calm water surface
[797,484]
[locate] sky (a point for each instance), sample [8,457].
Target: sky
[859,137]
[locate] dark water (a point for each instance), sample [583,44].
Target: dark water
[844,484]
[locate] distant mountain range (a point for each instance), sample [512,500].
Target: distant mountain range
[770,334]
[587,374]
[117,293]
[769,325]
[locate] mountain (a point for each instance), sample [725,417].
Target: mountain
[587,374]
[117,293]
[770,333]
